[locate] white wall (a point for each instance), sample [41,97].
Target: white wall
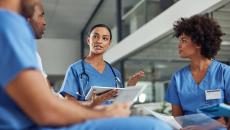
[58,54]
[159,26]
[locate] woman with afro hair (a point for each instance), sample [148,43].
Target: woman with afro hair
[205,81]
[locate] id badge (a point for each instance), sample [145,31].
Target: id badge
[213,94]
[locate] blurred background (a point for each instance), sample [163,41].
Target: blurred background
[142,37]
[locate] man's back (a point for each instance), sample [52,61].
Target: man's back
[12,25]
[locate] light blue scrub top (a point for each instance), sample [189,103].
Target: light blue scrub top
[17,52]
[78,87]
[184,91]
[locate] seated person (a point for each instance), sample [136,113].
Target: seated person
[189,88]
[25,99]
[93,70]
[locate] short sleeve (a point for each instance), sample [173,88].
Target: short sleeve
[227,84]
[172,93]
[70,84]
[17,49]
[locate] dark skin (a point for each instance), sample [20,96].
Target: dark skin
[199,65]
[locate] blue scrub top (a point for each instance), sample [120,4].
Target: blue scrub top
[185,92]
[17,52]
[78,87]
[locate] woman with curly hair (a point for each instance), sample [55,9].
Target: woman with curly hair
[204,81]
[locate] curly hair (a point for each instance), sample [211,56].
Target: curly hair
[204,31]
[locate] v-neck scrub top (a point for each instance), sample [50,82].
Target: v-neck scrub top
[184,91]
[78,87]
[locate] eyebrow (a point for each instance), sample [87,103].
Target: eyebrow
[99,34]
[183,37]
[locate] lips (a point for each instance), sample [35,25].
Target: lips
[98,47]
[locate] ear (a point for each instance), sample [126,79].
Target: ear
[88,40]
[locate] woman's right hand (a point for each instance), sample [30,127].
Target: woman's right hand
[97,100]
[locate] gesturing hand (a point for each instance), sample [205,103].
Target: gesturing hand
[135,78]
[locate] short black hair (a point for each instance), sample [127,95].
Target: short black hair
[101,25]
[204,31]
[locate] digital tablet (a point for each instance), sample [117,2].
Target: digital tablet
[216,110]
[127,94]
[99,90]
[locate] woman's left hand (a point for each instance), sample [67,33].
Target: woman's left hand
[135,78]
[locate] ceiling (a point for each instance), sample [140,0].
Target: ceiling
[66,18]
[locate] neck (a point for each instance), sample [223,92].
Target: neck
[12,5]
[95,59]
[200,64]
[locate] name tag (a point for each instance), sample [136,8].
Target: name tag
[213,94]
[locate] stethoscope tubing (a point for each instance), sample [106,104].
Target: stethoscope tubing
[117,80]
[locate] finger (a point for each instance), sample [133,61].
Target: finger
[109,94]
[141,74]
[94,95]
[127,105]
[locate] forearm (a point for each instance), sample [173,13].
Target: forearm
[73,99]
[57,114]
[177,111]
[41,106]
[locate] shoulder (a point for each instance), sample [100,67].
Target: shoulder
[15,29]
[11,20]
[182,71]
[221,67]
[220,64]
[116,71]
[75,66]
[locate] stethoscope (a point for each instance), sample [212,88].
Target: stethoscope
[84,74]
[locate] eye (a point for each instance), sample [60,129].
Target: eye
[105,38]
[95,36]
[183,40]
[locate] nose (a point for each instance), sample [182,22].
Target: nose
[100,40]
[44,23]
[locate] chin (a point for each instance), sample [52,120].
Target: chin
[181,56]
[98,53]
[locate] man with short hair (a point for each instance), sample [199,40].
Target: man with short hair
[26,102]
[38,24]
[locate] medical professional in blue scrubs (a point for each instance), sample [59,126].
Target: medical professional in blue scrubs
[205,81]
[94,71]
[25,99]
